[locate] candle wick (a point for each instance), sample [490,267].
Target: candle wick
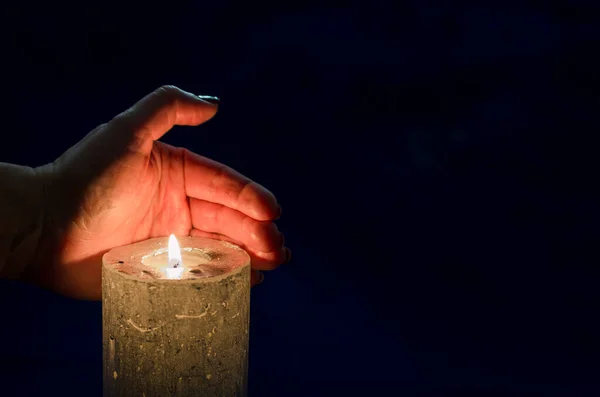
[176,265]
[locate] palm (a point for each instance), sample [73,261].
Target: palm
[147,200]
[120,185]
[164,206]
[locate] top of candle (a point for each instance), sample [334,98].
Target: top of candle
[184,258]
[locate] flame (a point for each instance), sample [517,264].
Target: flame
[174,252]
[174,269]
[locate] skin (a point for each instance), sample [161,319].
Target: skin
[120,185]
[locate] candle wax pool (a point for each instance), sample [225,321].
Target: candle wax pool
[195,263]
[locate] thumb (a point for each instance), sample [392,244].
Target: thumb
[156,113]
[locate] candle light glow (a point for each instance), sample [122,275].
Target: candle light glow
[176,261]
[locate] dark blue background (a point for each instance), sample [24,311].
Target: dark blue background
[437,167]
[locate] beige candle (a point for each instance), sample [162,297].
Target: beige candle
[175,320]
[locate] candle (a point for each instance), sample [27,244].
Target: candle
[176,319]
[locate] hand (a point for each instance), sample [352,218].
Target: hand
[120,185]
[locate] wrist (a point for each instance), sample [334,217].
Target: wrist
[21,219]
[42,270]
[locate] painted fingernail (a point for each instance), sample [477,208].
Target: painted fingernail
[210,99]
[279,213]
[288,255]
[259,277]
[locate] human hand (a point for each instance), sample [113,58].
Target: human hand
[120,185]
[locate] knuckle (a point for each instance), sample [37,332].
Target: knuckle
[170,97]
[167,94]
[264,233]
[242,189]
[261,229]
[167,90]
[254,229]
[122,121]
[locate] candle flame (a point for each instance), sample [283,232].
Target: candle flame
[174,252]
[174,269]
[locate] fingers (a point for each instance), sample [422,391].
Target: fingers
[212,181]
[260,260]
[217,218]
[158,112]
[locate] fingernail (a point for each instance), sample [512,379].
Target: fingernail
[210,99]
[282,239]
[259,277]
[279,213]
[288,255]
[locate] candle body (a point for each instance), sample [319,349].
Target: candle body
[176,337]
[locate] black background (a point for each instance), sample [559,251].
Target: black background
[436,166]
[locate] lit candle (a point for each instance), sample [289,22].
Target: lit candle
[175,320]
[173,262]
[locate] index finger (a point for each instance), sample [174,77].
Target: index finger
[209,180]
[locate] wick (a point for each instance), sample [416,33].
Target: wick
[175,266]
